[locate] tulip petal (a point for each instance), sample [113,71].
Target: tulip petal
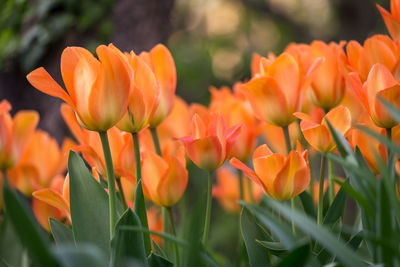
[206,152]
[24,125]
[69,117]
[267,168]
[199,129]
[246,170]
[154,168]
[340,118]
[392,24]
[53,198]
[382,116]
[318,136]
[355,83]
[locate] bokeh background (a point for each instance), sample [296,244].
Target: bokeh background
[212,41]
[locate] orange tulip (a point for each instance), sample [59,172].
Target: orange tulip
[317,133]
[281,177]
[380,83]
[164,178]
[52,202]
[369,146]
[210,143]
[14,133]
[97,90]
[275,94]
[155,223]
[226,190]
[160,60]
[236,110]
[144,99]
[376,49]
[273,136]
[392,20]
[41,161]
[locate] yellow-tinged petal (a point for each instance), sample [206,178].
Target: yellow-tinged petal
[340,118]
[53,198]
[205,153]
[267,168]
[154,168]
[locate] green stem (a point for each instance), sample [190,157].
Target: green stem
[321,190]
[121,193]
[287,139]
[208,209]
[171,223]
[311,185]
[139,205]
[156,140]
[331,177]
[293,204]
[241,187]
[111,181]
[250,189]
[5,181]
[390,154]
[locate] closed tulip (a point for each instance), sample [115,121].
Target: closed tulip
[317,133]
[380,83]
[211,142]
[281,177]
[97,90]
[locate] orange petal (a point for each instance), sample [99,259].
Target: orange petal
[199,129]
[340,118]
[318,137]
[53,198]
[246,170]
[392,24]
[382,117]
[206,153]
[267,168]
[153,169]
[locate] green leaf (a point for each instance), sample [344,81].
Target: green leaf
[318,233]
[336,210]
[275,248]
[341,143]
[250,232]
[392,110]
[127,246]
[140,210]
[27,229]
[80,256]
[279,228]
[89,206]
[158,261]
[297,257]
[62,234]
[308,204]
[10,246]
[157,250]
[355,241]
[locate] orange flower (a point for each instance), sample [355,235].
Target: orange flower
[273,136]
[155,223]
[14,133]
[392,20]
[377,49]
[98,91]
[41,161]
[380,83]
[226,190]
[369,146]
[160,60]
[52,202]
[210,143]
[317,133]
[275,94]
[144,99]
[281,177]
[164,178]
[236,110]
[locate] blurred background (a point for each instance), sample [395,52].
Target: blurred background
[212,41]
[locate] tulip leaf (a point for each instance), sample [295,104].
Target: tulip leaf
[392,110]
[158,261]
[10,247]
[384,222]
[280,228]
[250,232]
[319,233]
[89,206]
[80,256]
[275,248]
[140,210]
[61,233]
[297,257]
[158,250]
[341,143]
[308,204]
[27,229]
[336,209]
[127,246]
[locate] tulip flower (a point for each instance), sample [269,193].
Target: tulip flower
[392,20]
[376,49]
[160,60]
[144,99]
[317,133]
[281,177]
[226,190]
[155,223]
[52,202]
[236,110]
[275,94]
[164,178]
[14,133]
[210,143]
[97,90]
[380,83]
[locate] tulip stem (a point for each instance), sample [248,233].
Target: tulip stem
[331,177]
[121,193]
[171,222]
[208,209]
[241,188]
[293,204]
[321,189]
[157,146]
[250,190]
[139,205]
[287,139]
[390,154]
[111,181]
